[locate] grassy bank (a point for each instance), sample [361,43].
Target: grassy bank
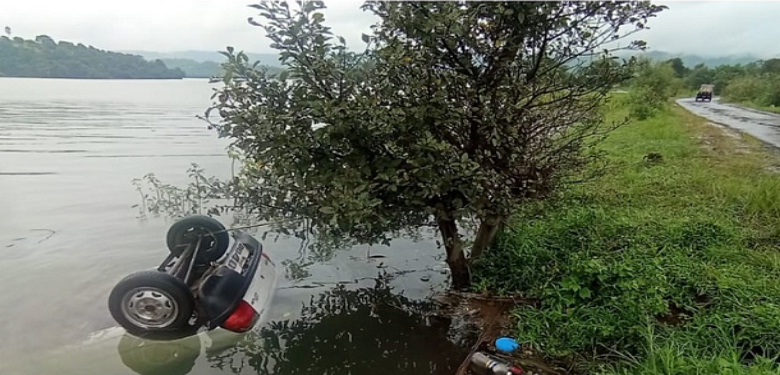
[759,107]
[665,266]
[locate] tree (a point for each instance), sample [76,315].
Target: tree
[651,88]
[679,67]
[46,41]
[456,113]
[699,75]
[771,66]
[43,57]
[8,30]
[745,89]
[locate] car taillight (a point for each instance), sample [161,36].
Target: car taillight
[242,319]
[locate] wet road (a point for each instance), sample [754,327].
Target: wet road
[71,228]
[762,125]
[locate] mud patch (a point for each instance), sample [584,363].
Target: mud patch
[726,130]
[723,138]
[774,158]
[492,316]
[773,168]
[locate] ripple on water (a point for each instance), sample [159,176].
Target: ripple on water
[69,151]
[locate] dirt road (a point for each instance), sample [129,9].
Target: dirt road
[762,125]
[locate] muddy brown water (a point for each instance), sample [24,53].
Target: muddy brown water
[69,231]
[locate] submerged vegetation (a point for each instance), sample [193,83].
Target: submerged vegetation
[666,265]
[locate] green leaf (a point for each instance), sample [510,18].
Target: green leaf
[416,127]
[570,284]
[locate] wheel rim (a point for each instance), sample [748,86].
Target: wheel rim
[149,308]
[192,234]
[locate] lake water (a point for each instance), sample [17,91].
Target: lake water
[70,229]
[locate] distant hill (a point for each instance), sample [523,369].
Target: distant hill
[205,64]
[267,59]
[45,58]
[194,69]
[204,69]
[693,60]
[272,60]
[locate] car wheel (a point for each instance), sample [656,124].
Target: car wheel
[152,302]
[149,357]
[214,238]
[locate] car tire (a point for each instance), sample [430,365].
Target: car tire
[185,231]
[150,357]
[153,303]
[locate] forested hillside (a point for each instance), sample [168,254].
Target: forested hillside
[265,59]
[195,69]
[203,69]
[693,60]
[45,58]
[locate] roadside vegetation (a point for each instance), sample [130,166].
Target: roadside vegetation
[667,264]
[755,85]
[759,91]
[650,88]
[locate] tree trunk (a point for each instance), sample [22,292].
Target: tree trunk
[456,260]
[486,234]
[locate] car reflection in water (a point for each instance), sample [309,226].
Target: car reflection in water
[341,331]
[149,357]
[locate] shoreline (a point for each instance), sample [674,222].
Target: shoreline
[712,182]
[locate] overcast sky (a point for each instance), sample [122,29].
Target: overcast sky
[692,27]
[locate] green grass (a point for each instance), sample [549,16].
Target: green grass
[670,267]
[760,107]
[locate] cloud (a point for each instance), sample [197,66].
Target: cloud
[160,25]
[704,28]
[716,28]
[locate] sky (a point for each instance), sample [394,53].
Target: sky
[712,28]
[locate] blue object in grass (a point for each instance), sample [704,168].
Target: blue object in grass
[507,345]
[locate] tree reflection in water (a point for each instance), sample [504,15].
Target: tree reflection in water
[342,331]
[208,195]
